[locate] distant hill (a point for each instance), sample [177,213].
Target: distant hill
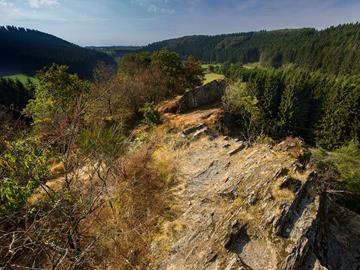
[116,52]
[26,51]
[334,50]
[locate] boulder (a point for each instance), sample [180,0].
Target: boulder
[202,95]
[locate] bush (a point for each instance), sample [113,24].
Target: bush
[152,77]
[343,163]
[101,143]
[239,101]
[151,115]
[23,166]
[347,163]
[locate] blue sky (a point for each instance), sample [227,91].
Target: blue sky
[138,22]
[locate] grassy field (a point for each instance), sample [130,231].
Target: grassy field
[206,66]
[21,77]
[209,77]
[252,65]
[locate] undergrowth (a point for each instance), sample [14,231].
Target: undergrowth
[137,199]
[345,162]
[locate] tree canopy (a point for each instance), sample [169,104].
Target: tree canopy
[318,107]
[27,51]
[333,50]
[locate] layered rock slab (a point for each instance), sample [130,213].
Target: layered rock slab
[256,208]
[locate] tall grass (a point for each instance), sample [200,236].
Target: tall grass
[138,196]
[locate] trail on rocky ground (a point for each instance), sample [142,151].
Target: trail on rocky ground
[247,206]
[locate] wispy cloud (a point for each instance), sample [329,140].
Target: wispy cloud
[155,6]
[42,3]
[6,3]
[141,21]
[152,8]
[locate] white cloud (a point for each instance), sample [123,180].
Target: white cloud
[6,3]
[42,3]
[155,6]
[152,8]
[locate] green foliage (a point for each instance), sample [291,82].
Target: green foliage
[59,100]
[212,68]
[15,94]
[23,166]
[333,50]
[178,75]
[320,108]
[150,114]
[108,142]
[151,78]
[347,163]
[22,78]
[134,63]
[341,112]
[241,102]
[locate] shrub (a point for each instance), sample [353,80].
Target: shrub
[343,163]
[151,115]
[239,101]
[347,164]
[109,143]
[23,166]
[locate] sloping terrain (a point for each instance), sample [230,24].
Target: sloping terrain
[331,50]
[27,51]
[245,206]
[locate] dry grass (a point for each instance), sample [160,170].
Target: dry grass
[138,197]
[57,169]
[136,201]
[281,194]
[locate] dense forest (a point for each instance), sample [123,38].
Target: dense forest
[81,146]
[333,50]
[116,52]
[322,109]
[14,94]
[75,185]
[26,51]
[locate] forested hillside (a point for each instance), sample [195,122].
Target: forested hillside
[116,51]
[321,108]
[75,185]
[334,50]
[26,51]
[14,94]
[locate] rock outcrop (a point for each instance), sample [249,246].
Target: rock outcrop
[251,207]
[202,95]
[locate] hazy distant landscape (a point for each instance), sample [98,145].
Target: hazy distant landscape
[203,151]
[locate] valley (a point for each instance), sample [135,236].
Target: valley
[236,151]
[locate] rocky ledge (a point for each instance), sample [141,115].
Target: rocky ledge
[254,207]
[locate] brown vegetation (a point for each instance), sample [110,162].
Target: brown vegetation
[105,206]
[137,197]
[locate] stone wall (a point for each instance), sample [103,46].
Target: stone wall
[202,95]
